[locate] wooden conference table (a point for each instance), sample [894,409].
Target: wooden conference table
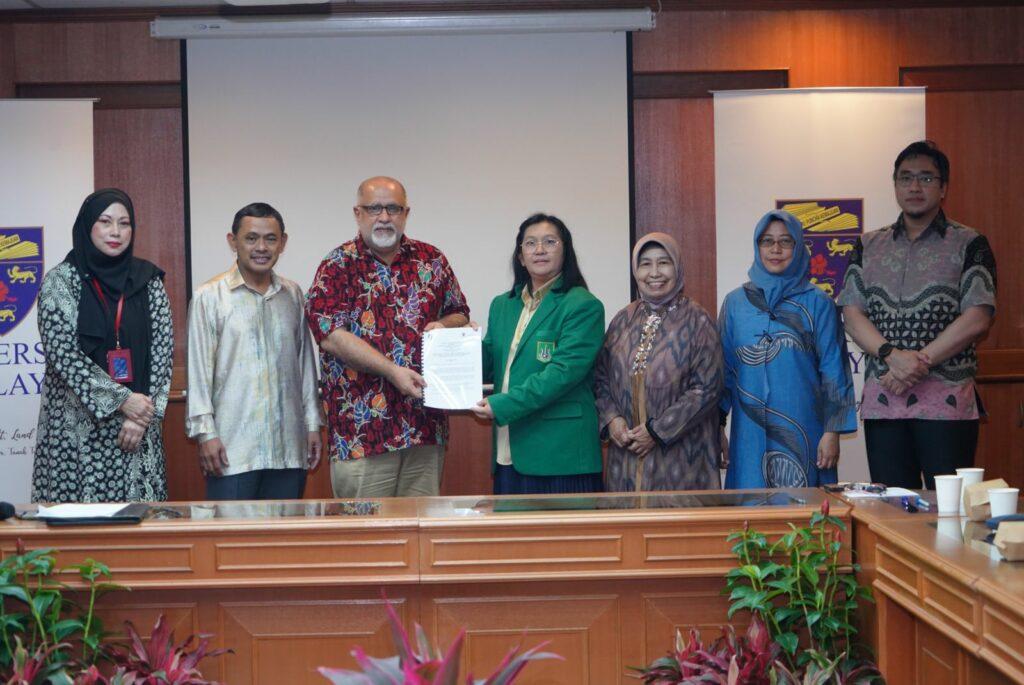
[948,610]
[607,579]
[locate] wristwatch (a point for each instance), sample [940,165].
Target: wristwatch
[884,350]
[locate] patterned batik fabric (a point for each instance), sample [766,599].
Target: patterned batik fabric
[787,382]
[682,383]
[77,458]
[911,290]
[387,306]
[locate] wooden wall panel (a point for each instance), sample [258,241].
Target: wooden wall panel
[674,154]
[822,48]
[6,61]
[140,151]
[714,41]
[1001,438]
[105,51]
[981,133]
[467,461]
[848,48]
[965,35]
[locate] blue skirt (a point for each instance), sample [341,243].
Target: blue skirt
[508,481]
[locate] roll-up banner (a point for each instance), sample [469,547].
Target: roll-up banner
[46,170]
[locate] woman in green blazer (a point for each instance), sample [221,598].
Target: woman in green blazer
[542,339]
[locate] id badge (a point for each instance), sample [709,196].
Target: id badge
[119,365]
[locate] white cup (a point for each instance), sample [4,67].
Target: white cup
[947,493]
[1003,501]
[971,476]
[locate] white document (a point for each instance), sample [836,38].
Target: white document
[889,492]
[78,511]
[452,368]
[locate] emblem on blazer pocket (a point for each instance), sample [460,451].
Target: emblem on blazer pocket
[544,351]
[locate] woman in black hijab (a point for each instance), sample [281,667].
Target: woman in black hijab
[105,325]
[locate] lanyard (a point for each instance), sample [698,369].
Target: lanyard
[117,317]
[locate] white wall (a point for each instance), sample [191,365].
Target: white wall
[482,130]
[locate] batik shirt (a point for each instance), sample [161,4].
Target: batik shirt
[387,306]
[911,290]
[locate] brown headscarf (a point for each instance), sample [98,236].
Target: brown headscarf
[669,244]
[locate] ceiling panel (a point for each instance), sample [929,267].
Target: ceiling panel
[118,4]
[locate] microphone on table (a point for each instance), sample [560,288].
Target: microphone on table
[6,510]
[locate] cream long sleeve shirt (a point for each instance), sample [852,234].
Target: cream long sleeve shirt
[252,372]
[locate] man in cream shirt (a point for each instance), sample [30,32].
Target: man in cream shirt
[253,404]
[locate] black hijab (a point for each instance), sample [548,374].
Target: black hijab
[116,276]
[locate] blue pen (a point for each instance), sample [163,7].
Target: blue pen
[923,504]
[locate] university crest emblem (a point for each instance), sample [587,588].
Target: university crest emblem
[831,230]
[545,350]
[21,274]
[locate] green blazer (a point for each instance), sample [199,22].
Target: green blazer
[549,406]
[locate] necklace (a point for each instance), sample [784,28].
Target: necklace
[650,331]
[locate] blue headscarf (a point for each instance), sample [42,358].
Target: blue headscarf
[794,279]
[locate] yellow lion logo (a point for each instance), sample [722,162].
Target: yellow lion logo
[19,275]
[828,285]
[836,247]
[7,313]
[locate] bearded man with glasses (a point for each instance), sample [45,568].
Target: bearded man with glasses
[916,298]
[372,299]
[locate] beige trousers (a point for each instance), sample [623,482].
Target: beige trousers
[411,472]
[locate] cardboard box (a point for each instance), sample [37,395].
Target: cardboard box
[1010,540]
[976,498]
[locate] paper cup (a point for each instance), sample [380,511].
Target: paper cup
[1003,501]
[947,493]
[971,476]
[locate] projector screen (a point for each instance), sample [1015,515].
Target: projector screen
[482,130]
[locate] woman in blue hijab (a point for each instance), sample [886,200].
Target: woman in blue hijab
[787,375]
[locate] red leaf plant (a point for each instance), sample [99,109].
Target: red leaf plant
[423,664]
[162,662]
[730,660]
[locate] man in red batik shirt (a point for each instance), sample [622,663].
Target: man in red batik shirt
[370,303]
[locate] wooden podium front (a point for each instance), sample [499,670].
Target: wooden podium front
[290,586]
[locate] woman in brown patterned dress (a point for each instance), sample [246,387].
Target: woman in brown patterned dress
[657,381]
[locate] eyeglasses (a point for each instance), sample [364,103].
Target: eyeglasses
[375,210]
[926,180]
[784,243]
[531,244]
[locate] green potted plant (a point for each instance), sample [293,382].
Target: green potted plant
[801,600]
[802,592]
[48,638]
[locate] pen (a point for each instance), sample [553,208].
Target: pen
[923,504]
